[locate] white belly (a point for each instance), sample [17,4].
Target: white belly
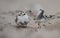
[23,18]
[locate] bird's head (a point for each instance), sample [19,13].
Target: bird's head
[21,13]
[42,10]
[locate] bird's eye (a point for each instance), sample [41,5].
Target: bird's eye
[24,14]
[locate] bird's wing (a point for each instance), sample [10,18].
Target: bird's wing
[16,19]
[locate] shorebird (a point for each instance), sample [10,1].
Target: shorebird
[22,19]
[40,16]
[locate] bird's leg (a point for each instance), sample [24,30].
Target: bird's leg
[22,25]
[18,25]
[25,24]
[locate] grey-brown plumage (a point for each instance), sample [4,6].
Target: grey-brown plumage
[40,16]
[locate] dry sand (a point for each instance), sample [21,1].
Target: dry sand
[7,16]
[9,30]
